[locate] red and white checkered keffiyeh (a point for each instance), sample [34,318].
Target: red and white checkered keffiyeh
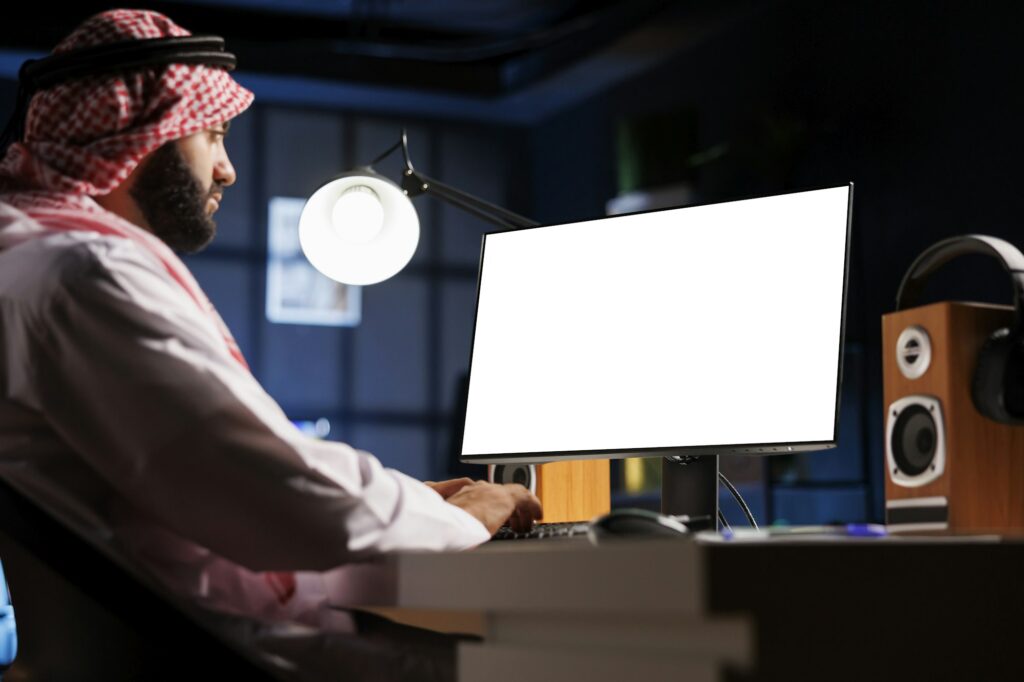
[85,136]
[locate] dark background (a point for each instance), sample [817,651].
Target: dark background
[918,103]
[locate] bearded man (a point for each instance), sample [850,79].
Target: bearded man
[126,407]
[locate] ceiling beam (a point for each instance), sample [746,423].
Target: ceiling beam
[397,54]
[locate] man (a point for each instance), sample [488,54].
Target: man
[126,407]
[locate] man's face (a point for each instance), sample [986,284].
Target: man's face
[180,187]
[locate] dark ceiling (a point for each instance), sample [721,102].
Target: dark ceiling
[471,47]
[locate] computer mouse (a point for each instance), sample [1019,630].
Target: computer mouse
[634,523]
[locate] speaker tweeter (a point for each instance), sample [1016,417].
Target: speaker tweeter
[914,351]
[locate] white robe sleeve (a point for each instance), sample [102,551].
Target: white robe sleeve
[137,381]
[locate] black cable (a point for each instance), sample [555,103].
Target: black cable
[683,460]
[383,155]
[739,499]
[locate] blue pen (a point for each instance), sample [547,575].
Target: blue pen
[865,530]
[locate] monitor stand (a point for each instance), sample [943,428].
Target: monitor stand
[689,485]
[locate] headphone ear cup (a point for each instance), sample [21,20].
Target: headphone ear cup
[998,385]
[1013,381]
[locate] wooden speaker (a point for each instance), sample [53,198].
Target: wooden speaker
[948,467]
[574,490]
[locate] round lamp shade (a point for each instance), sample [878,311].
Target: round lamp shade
[359,228]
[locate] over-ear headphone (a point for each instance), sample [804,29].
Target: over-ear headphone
[998,384]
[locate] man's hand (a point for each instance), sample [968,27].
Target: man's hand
[494,504]
[448,488]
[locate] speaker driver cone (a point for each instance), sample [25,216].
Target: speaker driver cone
[523,474]
[915,444]
[914,440]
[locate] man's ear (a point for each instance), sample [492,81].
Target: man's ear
[120,200]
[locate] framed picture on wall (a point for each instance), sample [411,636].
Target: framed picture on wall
[296,292]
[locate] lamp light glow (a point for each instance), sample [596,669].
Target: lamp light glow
[359,228]
[358,215]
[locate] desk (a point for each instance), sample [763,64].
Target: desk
[680,610]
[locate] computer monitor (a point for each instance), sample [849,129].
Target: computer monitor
[712,329]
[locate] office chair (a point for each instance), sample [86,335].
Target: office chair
[8,629]
[83,617]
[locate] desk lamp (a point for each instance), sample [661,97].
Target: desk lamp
[361,228]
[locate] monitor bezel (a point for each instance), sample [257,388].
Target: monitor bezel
[682,450]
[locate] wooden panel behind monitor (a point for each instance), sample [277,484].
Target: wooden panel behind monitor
[574,490]
[984,475]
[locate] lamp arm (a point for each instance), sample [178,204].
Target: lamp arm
[415,183]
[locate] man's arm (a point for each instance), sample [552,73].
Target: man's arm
[138,382]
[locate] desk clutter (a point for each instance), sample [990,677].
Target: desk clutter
[954,395]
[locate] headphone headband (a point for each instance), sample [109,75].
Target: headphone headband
[942,252]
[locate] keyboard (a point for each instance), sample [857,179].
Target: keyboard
[545,531]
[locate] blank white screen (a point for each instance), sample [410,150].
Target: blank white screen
[701,326]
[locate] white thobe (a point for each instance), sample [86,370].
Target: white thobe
[122,413]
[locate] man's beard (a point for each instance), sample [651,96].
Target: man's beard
[173,201]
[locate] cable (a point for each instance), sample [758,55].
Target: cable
[739,499]
[383,155]
[683,460]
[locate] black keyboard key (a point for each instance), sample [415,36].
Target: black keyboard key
[544,530]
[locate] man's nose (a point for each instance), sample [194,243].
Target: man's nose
[223,171]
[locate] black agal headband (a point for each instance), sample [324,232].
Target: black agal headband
[126,55]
